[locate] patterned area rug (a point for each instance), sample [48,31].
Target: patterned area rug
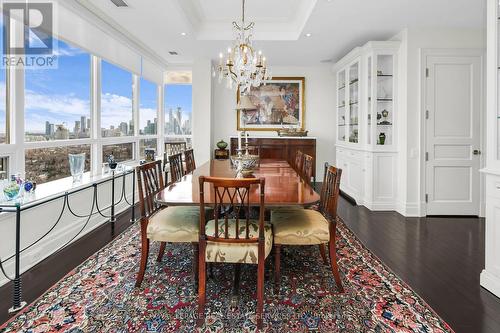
[99,295]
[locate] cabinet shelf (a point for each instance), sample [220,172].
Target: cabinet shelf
[384,99]
[390,124]
[343,87]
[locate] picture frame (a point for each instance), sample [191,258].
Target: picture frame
[278,104]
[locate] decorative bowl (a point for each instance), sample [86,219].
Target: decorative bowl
[245,162]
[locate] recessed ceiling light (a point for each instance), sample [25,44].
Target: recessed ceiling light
[174,53]
[183,34]
[308,34]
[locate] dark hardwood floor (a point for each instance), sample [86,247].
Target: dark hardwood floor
[440,258]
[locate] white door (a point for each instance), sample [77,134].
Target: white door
[453,102]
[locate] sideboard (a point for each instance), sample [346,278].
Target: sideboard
[283,148]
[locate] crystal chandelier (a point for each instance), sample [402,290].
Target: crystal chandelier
[243,66]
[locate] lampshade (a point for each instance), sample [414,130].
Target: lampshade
[245,104]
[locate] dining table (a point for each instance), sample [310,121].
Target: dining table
[284,187]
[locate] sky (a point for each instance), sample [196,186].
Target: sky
[63,95]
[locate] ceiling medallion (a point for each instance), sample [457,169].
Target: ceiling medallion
[243,66]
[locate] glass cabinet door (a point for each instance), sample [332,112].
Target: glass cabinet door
[354,103]
[384,105]
[341,105]
[369,101]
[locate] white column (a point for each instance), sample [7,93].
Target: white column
[202,110]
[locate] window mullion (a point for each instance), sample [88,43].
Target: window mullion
[96,150]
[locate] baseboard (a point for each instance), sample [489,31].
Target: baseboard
[380,206]
[490,282]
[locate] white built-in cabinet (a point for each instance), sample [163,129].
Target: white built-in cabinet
[366,120]
[490,276]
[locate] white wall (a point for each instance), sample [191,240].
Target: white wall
[319,116]
[411,131]
[202,110]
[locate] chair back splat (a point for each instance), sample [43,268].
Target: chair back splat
[176,167]
[329,195]
[307,168]
[150,182]
[190,162]
[232,201]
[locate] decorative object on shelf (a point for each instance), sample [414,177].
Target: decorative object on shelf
[280,102]
[244,66]
[28,186]
[222,144]
[112,162]
[11,189]
[221,154]
[284,132]
[379,116]
[381,139]
[76,166]
[385,114]
[149,154]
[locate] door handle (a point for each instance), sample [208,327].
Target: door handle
[476,152]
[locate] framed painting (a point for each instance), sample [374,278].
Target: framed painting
[278,104]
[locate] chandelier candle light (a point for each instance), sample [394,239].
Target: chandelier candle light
[243,66]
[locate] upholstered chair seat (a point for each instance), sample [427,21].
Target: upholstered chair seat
[175,225]
[299,227]
[237,252]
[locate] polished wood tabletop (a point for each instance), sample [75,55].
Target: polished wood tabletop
[284,186]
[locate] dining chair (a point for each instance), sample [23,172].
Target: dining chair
[189,159]
[160,223]
[309,226]
[232,236]
[176,167]
[307,168]
[299,161]
[171,148]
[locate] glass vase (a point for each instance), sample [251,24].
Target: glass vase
[76,166]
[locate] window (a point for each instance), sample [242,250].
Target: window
[122,152]
[178,110]
[4,167]
[147,144]
[57,101]
[148,108]
[3,93]
[116,101]
[47,164]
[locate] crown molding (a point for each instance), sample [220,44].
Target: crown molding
[108,25]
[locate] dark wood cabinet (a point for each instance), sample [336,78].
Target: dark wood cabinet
[280,148]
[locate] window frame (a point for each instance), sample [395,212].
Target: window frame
[16,146]
[168,137]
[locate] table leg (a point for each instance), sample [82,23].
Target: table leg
[17,304]
[236,286]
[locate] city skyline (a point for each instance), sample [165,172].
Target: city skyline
[62,96]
